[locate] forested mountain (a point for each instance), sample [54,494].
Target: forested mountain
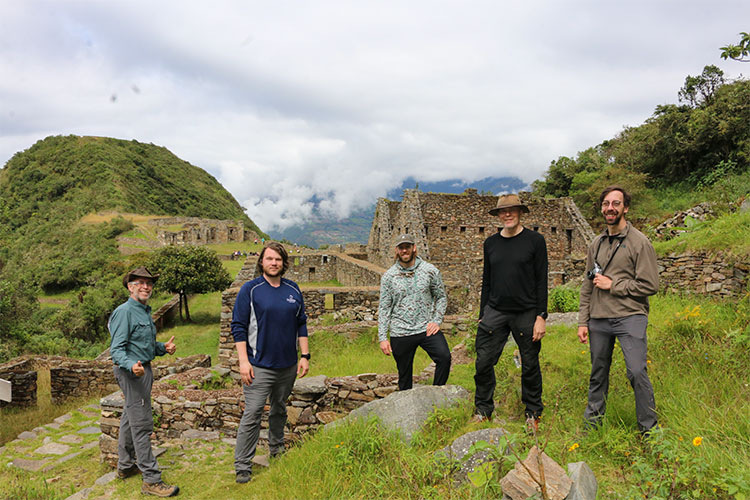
[684,153]
[45,191]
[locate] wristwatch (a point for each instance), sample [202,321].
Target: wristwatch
[306,356]
[543,315]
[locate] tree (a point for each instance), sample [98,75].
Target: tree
[699,90]
[187,270]
[739,52]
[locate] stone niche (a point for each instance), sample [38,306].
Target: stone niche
[22,375]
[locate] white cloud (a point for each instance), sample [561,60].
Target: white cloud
[291,101]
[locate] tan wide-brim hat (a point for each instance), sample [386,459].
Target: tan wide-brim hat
[139,272]
[509,201]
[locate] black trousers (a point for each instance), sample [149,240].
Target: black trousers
[492,335]
[436,348]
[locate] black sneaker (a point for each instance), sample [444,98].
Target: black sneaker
[243,477]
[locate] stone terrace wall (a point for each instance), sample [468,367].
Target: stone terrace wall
[76,377]
[314,401]
[21,373]
[347,270]
[699,272]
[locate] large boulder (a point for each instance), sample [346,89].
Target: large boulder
[584,482]
[406,411]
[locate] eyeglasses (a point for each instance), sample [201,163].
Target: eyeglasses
[614,204]
[147,284]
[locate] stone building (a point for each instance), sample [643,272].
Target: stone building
[197,231]
[449,230]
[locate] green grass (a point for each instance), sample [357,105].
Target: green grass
[351,353]
[699,353]
[729,233]
[201,336]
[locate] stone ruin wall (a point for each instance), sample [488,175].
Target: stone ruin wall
[450,229]
[21,373]
[699,272]
[314,401]
[199,231]
[71,378]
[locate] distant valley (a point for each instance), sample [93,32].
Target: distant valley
[322,229]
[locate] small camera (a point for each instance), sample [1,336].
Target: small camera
[593,272]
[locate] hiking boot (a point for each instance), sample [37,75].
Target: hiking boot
[478,419]
[126,473]
[277,452]
[532,425]
[159,489]
[243,477]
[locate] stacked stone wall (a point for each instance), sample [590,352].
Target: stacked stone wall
[719,275]
[197,231]
[315,401]
[21,373]
[450,229]
[164,317]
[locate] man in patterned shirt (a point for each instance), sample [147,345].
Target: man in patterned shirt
[412,304]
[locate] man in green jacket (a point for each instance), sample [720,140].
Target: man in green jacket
[622,273]
[132,348]
[412,305]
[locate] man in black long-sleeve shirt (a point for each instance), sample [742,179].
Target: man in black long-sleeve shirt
[514,300]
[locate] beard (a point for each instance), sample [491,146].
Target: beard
[618,218]
[270,273]
[406,258]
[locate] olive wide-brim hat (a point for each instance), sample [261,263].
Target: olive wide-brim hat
[139,272]
[509,201]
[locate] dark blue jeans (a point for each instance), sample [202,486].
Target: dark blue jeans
[492,335]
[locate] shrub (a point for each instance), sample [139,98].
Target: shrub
[563,299]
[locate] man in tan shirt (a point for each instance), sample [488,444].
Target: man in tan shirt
[622,273]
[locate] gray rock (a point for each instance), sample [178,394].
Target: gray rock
[52,449]
[62,418]
[80,495]
[29,465]
[54,426]
[90,445]
[71,439]
[106,478]
[221,371]
[261,460]
[158,452]
[27,435]
[92,429]
[460,448]
[196,434]
[584,482]
[405,411]
[745,206]
[229,441]
[115,400]
[311,385]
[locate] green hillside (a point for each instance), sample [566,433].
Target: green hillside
[698,150]
[49,244]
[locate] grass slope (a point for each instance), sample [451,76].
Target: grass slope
[699,366]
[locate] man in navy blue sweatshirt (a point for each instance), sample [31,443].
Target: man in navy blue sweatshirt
[267,322]
[514,300]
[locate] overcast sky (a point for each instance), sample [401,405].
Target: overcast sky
[285,100]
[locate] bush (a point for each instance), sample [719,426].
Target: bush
[563,299]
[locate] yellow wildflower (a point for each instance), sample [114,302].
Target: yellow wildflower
[573,447]
[697,441]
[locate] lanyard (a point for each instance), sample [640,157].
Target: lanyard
[599,247]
